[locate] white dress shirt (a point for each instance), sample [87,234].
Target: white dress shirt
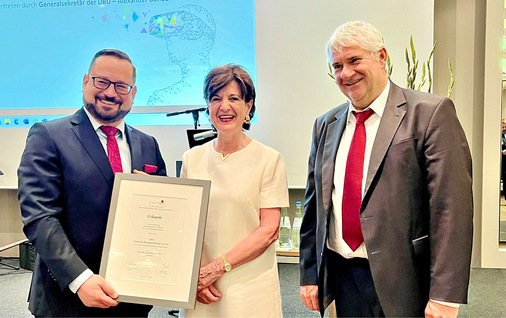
[335,239]
[124,148]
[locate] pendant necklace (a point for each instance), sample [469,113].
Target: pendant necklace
[224,157]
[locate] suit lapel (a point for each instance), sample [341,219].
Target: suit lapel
[390,121]
[87,136]
[135,148]
[332,139]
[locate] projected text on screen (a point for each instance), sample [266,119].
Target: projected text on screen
[173,44]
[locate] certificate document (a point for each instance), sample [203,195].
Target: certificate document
[154,238]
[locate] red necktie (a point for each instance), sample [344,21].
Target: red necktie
[112,148]
[352,190]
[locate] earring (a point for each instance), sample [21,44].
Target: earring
[247,120]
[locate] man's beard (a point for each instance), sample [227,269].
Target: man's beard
[105,118]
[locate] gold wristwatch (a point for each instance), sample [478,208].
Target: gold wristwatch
[228,267]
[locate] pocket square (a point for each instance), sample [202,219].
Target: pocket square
[149,168]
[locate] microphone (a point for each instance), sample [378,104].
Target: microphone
[189,111]
[204,135]
[194,112]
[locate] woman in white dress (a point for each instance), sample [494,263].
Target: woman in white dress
[238,275]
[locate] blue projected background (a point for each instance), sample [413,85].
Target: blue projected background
[173,45]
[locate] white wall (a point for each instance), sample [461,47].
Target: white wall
[293,85]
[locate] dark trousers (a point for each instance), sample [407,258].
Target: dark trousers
[352,286]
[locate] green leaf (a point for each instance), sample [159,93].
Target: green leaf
[330,71]
[452,79]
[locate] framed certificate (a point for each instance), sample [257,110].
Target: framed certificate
[154,236]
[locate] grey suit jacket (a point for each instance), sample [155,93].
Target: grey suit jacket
[65,186]
[416,215]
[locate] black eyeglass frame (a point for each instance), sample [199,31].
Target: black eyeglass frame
[128,86]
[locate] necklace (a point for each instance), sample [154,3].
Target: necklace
[223,157]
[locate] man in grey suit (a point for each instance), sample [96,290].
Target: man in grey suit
[65,186]
[402,246]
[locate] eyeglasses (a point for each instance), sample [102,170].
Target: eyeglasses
[103,83]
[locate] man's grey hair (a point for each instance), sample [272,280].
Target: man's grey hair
[355,33]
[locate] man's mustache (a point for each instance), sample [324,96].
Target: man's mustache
[109,99]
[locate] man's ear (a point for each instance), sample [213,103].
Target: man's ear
[86,78]
[383,56]
[134,91]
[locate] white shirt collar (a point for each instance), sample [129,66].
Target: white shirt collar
[378,105]
[96,125]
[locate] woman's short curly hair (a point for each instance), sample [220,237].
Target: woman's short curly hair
[221,76]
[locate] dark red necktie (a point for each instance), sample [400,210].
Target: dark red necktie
[112,148]
[352,190]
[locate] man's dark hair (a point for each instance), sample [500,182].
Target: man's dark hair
[113,52]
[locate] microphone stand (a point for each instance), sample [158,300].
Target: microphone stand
[194,112]
[196,136]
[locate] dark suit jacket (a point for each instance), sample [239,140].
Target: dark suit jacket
[65,186]
[417,210]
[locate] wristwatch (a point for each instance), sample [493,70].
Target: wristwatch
[228,267]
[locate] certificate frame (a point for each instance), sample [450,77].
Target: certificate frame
[154,237]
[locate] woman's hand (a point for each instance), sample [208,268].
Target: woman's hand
[246,251]
[208,295]
[209,274]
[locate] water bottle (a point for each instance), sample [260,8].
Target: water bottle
[297,221]
[284,230]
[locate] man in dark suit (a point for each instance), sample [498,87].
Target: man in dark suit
[406,248]
[65,187]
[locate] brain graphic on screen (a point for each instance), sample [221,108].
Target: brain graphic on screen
[189,34]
